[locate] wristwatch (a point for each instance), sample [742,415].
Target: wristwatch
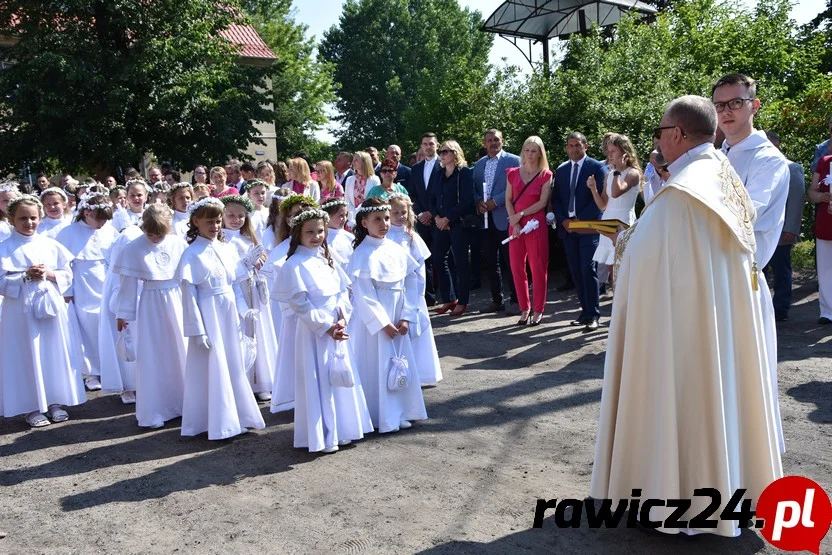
[522,213]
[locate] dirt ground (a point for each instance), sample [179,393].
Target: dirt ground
[514,420]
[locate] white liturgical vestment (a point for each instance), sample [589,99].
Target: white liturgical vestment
[688,405]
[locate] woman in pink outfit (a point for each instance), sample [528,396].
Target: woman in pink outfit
[527,195]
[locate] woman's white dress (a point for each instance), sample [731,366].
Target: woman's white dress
[88,246]
[318,297]
[124,218]
[622,208]
[180,223]
[340,245]
[156,325]
[385,290]
[283,386]
[117,375]
[421,334]
[218,398]
[36,368]
[261,375]
[50,227]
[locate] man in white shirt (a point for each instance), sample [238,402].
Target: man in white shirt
[342,167]
[765,174]
[419,188]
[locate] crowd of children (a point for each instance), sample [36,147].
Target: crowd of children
[198,307]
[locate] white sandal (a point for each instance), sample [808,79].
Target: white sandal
[37,420]
[57,414]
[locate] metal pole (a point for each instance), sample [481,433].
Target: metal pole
[546,57]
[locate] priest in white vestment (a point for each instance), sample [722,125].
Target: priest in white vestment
[765,173]
[689,404]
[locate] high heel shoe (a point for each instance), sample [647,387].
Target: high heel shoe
[536,320]
[446,307]
[459,310]
[523,321]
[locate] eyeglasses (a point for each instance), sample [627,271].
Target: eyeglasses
[199,172]
[733,104]
[657,132]
[445,151]
[664,168]
[390,170]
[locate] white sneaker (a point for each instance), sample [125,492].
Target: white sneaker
[332,449]
[405,424]
[128,397]
[263,396]
[92,383]
[344,442]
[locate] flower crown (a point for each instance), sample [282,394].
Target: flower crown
[137,181]
[84,203]
[245,202]
[309,214]
[55,191]
[205,202]
[178,187]
[9,187]
[117,188]
[100,189]
[256,183]
[287,204]
[397,196]
[331,202]
[160,187]
[380,208]
[29,198]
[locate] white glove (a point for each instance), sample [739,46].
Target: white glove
[253,256]
[251,316]
[202,341]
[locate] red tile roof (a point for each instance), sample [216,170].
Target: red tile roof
[251,45]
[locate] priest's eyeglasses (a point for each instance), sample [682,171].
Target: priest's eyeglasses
[733,104]
[657,132]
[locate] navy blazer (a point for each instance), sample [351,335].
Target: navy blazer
[585,207]
[420,192]
[453,196]
[498,188]
[402,175]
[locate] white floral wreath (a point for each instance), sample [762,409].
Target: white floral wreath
[380,208]
[277,196]
[21,198]
[178,187]
[395,196]
[9,187]
[310,214]
[84,203]
[138,181]
[55,191]
[205,202]
[333,201]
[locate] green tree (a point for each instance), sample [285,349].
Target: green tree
[96,84]
[302,83]
[405,67]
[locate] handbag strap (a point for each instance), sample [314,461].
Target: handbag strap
[526,185]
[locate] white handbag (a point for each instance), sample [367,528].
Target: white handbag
[398,377]
[125,346]
[340,372]
[44,300]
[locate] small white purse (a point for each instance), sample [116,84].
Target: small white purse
[398,377]
[340,372]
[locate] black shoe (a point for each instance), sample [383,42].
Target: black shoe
[493,307]
[824,321]
[579,322]
[524,321]
[568,286]
[592,325]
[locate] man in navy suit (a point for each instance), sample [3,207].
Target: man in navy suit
[490,170]
[394,152]
[422,177]
[572,200]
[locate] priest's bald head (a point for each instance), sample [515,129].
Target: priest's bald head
[688,122]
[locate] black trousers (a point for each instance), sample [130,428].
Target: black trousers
[495,256]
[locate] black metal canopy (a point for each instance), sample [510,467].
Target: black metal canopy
[541,20]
